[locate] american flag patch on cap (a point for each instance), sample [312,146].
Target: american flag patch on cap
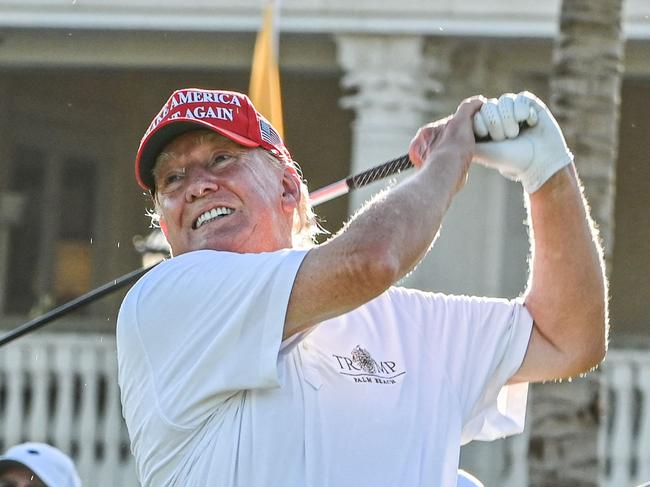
[268,134]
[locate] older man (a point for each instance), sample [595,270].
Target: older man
[249,360]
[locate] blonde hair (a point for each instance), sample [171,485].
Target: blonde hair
[305,222]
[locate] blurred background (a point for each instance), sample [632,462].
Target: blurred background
[80,81]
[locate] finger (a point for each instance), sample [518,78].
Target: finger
[480,127]
[417,149]
[522,108]
[471,99]
[506,106]
[492,118]
[533,117]
[533,100]
[470,106]
[525,109]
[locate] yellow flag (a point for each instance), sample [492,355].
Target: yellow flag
[264,89]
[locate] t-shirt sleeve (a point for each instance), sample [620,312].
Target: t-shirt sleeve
[210,324]
[480,343]
[498,337]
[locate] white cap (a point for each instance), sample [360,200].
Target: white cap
[53,466]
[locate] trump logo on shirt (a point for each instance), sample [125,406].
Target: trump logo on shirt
[361,367]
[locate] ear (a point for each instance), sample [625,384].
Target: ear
[290,189]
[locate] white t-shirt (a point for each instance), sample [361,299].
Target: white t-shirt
[381,396]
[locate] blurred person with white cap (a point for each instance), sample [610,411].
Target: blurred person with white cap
[466,479]
[37,465]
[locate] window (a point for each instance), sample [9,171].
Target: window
[49,255]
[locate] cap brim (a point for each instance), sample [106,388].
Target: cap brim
[156,141]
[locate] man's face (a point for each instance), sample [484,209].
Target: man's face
[19,477]
[212,193]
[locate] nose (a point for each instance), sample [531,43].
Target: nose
[201,184]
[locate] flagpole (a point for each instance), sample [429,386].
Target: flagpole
[264,89]
[275,5]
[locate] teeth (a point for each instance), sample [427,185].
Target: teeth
[212,214]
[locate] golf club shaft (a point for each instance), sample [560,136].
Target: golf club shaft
[319,196]
[329,192]
[70,306]
[356,181]
[360,180]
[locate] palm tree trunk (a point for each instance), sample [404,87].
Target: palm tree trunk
[567,418]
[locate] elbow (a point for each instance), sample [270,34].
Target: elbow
[600,325]
[593,356]
[599,349]
[576,328]
[384,270]
[593,346]
[596,318]
[376,269]
[578,338]
[580,360]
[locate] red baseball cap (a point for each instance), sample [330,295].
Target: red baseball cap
[228,113]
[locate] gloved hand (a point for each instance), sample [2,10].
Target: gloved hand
[530,155]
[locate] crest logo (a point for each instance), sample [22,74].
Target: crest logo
[361,367]
[362,359]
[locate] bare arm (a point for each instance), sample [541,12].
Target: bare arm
[567,289]
[566,294]
[387,238]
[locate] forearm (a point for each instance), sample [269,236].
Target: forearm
[567,288]
[387,238]
[402,223]
[382,243]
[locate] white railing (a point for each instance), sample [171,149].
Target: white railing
[62,389]
[626,444]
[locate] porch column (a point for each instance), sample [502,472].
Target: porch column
[388,80]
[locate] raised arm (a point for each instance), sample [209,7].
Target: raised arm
[566,293]
[389,236]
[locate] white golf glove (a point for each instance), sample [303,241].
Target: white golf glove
[531,155]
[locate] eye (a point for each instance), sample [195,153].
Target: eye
[221,158]
[173,178]
[169,181]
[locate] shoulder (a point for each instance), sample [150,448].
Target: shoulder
[196,278]
[204,266]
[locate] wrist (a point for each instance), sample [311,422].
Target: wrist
[447,171]
[538,174]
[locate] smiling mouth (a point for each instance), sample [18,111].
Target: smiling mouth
[211,215]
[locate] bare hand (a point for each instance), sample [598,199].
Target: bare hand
[453,135]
